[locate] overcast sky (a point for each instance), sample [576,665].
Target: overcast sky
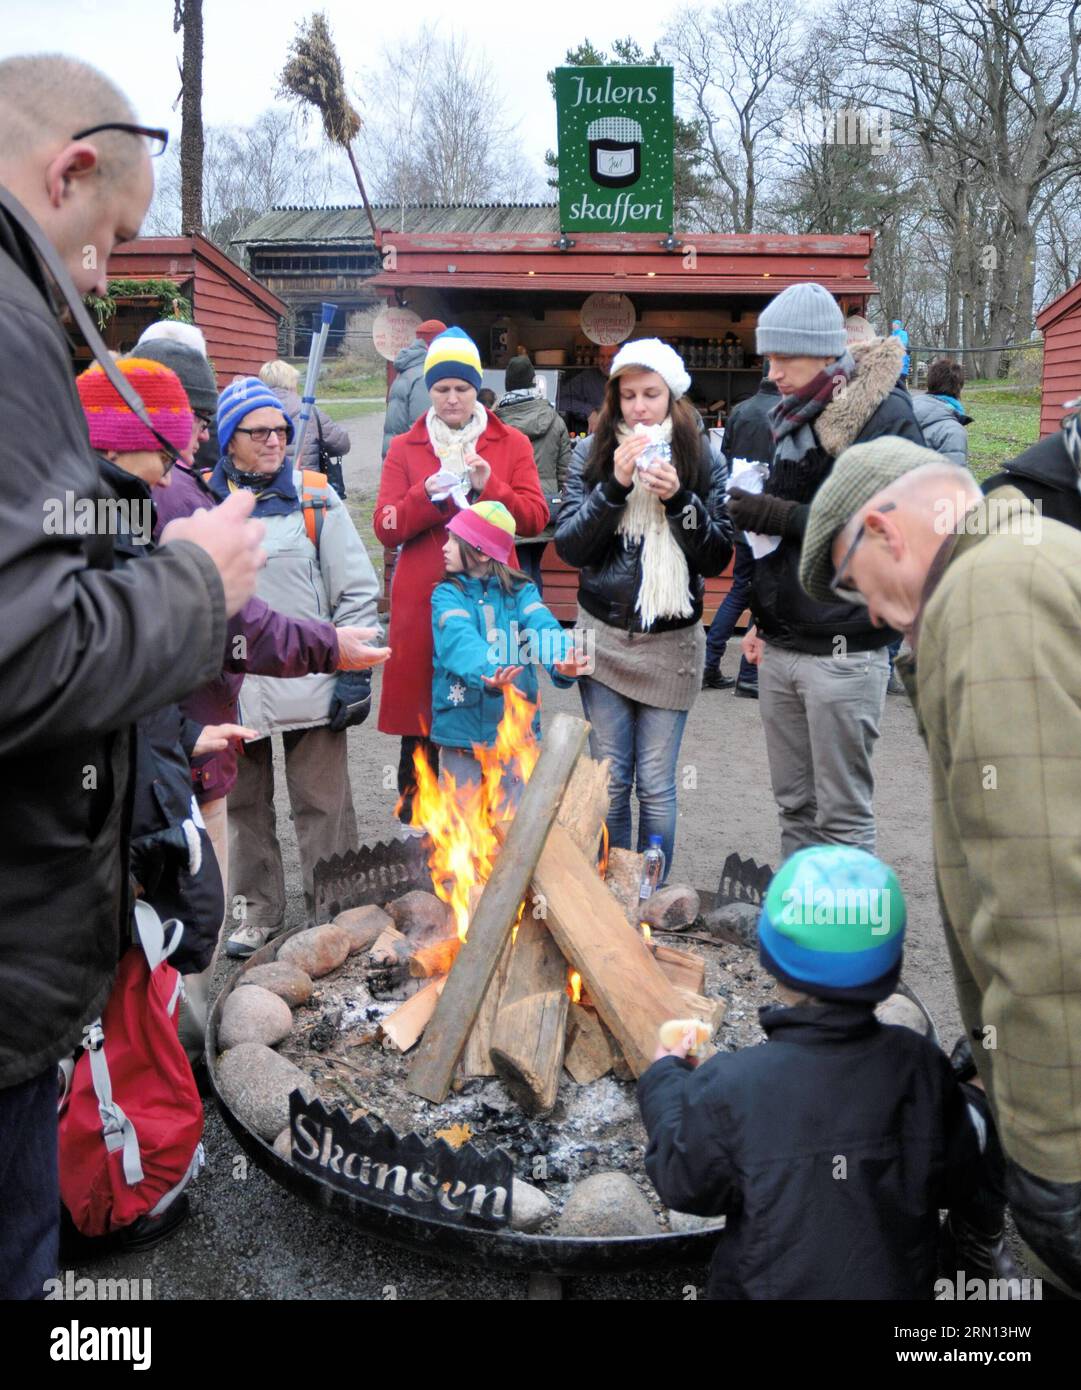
[245,46]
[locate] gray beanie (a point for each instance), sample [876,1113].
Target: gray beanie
[803,321]
[195,372]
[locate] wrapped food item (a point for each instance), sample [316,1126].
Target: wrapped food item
[674,1030]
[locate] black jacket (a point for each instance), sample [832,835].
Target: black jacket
[830,1149]
[172,857]
[747,434]
[871,406]
[84,652]
[611,569]
[1045,474]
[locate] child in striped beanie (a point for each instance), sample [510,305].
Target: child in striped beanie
[832,1147]
[117,432]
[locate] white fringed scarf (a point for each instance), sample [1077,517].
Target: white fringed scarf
[450,446]
[665,590]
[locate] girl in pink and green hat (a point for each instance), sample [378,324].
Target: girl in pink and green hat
[489,630]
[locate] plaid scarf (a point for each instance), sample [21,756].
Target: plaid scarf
[808,403]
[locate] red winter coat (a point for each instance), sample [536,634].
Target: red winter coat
[406,516]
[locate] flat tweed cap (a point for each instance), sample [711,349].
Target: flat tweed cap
[860,473]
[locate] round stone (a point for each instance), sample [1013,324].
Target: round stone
[288,981]
[254,1015]
[317,951]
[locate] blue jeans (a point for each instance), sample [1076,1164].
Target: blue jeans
[726,617]
[29,1187]
[643,745]
[530,554]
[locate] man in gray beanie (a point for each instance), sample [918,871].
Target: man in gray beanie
[823,666]
[988,593]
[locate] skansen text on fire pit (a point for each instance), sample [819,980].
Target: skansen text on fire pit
[462,1185]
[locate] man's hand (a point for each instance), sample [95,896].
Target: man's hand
[215,737]
[479,471]
[752,646]
[760,512]
[351,702]
[232,540]
[354,653]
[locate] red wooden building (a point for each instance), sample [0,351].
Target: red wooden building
[527,288]
[239,316]
[1060,324]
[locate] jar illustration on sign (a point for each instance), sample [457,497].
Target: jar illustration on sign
[615,151]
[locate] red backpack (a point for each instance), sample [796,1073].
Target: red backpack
[132,1120]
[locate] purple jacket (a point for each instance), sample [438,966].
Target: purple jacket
[273,645]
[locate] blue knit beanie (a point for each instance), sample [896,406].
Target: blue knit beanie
[240,398]
[833,924]
[803,321]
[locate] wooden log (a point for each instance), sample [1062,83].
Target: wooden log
[626,984]
[687,969]
[477,1054]
[589,1046]
[403,1027]
[584,808]
[458,1006]
[527,1045]
[527,1049]
[434,960]
[623,877]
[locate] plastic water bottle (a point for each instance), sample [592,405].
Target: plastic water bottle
[652,869]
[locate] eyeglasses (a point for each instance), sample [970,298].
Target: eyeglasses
[837,583]
[156,138]
[261,435]
[204,420]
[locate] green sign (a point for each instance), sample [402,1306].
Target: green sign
[615,149]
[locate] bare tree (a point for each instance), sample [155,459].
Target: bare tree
[247,171]
[188,15]
[436,130]
[730,66]
[990,93]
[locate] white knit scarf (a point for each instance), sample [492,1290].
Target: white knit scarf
[665,590]
[451,445]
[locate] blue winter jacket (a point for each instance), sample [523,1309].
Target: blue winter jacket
[477,628]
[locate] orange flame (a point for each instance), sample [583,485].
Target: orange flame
[460,821]
[647,934]
[574,986]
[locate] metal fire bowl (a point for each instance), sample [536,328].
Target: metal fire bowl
[373,874]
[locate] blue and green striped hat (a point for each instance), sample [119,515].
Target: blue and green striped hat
[833,924]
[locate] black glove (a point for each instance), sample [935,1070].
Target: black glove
[760,512]
[352,700]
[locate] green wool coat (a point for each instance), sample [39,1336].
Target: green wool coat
[996,681]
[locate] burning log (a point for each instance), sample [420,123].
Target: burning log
[531,1027]
[477,1057]
[434,960]
[391,948]
[497,911]
[584,808]
[628,987]
[711,1011]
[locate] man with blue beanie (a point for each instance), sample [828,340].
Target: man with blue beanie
[831,1148]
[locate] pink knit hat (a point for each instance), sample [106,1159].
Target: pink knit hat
[488,526]
[113,426]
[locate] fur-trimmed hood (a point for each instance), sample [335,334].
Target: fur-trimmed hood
[878,366]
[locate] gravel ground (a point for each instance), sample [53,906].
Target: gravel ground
[250,1238]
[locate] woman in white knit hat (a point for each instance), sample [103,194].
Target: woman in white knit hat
[644,519]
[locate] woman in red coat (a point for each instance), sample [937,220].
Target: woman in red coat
[455,455]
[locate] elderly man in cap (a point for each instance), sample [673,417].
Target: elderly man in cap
[988,593]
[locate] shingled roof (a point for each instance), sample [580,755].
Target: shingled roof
[334,226]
